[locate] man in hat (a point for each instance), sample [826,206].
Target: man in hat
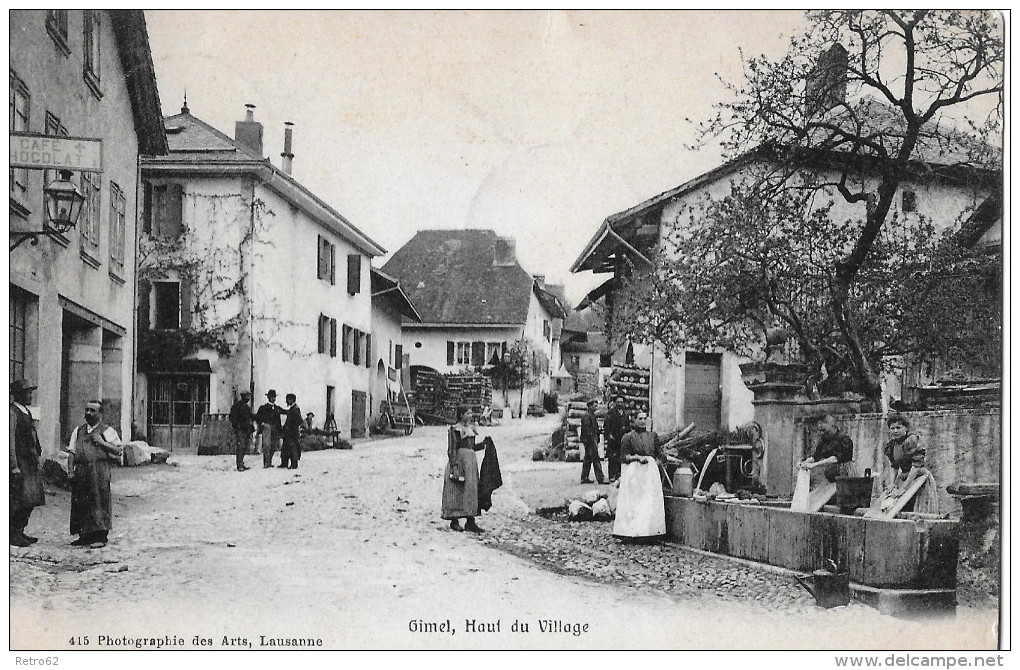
[242,422]
[291,452]
[93,446]
[590,440]
[615,427]
[270,427]
[26,484]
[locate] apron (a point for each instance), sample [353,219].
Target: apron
[640,509]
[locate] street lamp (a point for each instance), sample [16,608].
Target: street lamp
[63,204]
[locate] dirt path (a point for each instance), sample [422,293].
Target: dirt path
[349,550]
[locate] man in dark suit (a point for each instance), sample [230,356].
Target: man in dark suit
[291,452]
[590,440]
[270,428]
[242,423]
[615,427]
[26,492]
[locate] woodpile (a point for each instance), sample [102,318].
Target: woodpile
[633,384]
[436,397]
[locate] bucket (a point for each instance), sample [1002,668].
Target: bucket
[831,589]
[683,482]
[853,492]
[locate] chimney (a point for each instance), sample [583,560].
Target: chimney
[826,85]
[504,252]
[288,138]
[540,280]
[249,131]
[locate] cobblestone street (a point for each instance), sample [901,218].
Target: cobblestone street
[350,549]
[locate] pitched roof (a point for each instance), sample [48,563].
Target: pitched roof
[388,290]
[451,277]
[196,145]
[140,77]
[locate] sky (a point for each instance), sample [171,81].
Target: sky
[537,125]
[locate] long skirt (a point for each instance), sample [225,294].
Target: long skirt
[640,509]
[91,507]
[460,498]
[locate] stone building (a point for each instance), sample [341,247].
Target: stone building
[247,281]
[81,74]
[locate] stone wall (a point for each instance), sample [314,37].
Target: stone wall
[963,445]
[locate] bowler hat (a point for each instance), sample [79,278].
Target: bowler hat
[19,385]
[270,393]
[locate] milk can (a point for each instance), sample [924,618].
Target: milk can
[683,481]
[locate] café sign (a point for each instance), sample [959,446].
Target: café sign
[50,152]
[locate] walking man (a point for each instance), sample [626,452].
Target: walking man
[242,421]
[615,428]
[92,447]
[590,440]
[26,491]
[270,427]
[291,452]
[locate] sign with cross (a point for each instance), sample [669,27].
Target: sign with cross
[51,152]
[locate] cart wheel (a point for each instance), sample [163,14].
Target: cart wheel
[409,429]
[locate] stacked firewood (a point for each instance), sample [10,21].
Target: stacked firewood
[633,384]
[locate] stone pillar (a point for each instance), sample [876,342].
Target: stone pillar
[779,400]
[112,392]
[979,538]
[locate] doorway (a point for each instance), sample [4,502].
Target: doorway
[703,390]
[358,405]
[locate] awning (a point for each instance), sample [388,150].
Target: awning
[597,293]
[385,287]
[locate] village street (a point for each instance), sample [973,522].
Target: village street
[350,549]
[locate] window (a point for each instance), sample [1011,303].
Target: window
[346,344]
[575,361]
[909,201]
[53,127]
[356,359]
[332,338]
[167,295]
[91,50]
[19,108]
[18,333]
[463,354]
[118,223]
[164,209]
[368,350]
[88,220]
[546,330]
[326,267]
[178,400]
[56,26]
[492,350]
[353,273]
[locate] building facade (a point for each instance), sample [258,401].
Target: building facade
[390,306]
[85,74]
[247,281]
[476,302]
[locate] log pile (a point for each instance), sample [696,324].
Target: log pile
[436,397]
[633,384]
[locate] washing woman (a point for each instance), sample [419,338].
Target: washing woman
[640,509]
[460,479]
[906,457]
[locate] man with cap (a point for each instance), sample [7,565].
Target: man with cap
[93,446]
[615,427]
[270,427]
[26,485]
[242,422]
[590,440]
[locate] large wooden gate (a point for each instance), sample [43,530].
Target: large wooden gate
[177,403]
[703,391]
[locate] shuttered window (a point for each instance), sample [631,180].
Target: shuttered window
[398,356]
[332,338]
[346,344]
[164,209]
[368,350]
[323,333]
[354,273]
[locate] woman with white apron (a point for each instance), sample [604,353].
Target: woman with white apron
[640,510]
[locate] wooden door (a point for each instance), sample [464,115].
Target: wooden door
[703,390]
[358,406]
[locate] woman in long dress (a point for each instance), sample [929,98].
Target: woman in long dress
[640,509]
[460,478]
[906,457]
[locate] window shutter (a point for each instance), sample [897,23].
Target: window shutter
[175,210]
[318,259]
[332,338]
[144,291]
[449,352]
[478,353]
[368,351]
[332,265]
[321,334]
[146,207]
[353,273]
[398,356]
[185,303]
[357,346]
[346,352]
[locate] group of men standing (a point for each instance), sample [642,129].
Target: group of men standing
[91,449]
[269,427]
[616,425]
